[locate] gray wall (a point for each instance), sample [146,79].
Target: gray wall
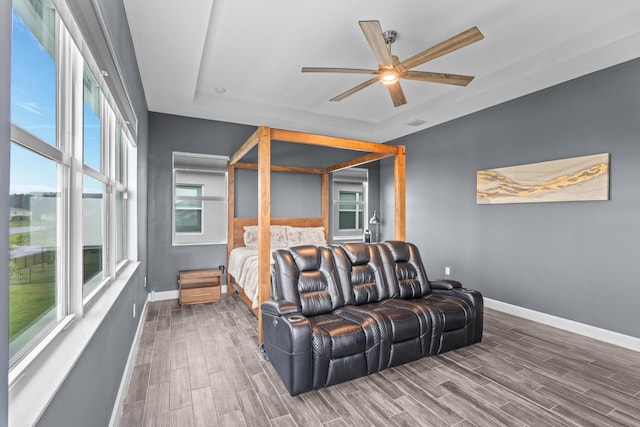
[5,135]
[168,133]
[292,195]
[575,260]
[87,396]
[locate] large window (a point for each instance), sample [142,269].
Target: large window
[188,214]
[34,255]
[33,69]
[199,199]
[91,138]
[92,234]
[94,196]
[350,209]
[349,203]
[36,180]
[68,181]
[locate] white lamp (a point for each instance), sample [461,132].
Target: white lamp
[375,220]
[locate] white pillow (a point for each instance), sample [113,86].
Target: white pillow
[278,236]
[299,236]
[251,236]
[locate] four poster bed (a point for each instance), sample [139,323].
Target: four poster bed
[251,261]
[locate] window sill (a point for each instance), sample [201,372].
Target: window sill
[34,384]
[357,238]
[199,243]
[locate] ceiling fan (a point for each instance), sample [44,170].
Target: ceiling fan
[391,70]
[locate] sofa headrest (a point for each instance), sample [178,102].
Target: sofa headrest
[307,258]
[399,250]
[358,253]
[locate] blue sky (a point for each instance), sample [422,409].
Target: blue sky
[33,107]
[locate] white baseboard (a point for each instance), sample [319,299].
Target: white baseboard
[128,371]
[600,334]
[175,294]
[163,295]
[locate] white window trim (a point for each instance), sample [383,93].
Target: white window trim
[336,178]
[196,169]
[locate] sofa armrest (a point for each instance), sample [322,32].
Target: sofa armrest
[445,284]
[288,343]
[278,307]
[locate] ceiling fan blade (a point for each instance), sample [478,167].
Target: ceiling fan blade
[373,33]
[397,95]
[338,70]
[450,79]
[463,39]
[353,90]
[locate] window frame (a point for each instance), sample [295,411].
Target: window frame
[121,138]
[199,208]
[358,208]
[352,180]
[193,169]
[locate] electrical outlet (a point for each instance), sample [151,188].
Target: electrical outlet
[134,310]
[447,271]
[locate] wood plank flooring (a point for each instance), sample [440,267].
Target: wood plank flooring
[199,366]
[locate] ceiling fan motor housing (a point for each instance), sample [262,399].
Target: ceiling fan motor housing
[390,36]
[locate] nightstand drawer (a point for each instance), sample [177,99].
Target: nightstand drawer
[199,276]
[200,295]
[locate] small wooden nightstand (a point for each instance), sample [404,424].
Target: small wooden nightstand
[198,286]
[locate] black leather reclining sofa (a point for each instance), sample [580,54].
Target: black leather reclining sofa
[342,312]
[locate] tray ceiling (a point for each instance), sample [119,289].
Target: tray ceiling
[240,61]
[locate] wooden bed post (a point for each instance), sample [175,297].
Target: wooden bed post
[400,172]
[264,220]
[231,214]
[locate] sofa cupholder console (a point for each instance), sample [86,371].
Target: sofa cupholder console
[340,312]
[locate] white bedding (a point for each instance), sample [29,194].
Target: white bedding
[243,266]
[243,261]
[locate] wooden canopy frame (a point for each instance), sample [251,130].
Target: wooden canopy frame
[262,138]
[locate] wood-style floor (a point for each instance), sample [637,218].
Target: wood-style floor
[200,366]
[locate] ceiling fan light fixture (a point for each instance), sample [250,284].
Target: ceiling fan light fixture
[390,69]
[389,77]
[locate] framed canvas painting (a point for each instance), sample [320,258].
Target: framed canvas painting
[574,179]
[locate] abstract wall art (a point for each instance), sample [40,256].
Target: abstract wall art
[574,179]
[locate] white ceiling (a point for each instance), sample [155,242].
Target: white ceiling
[254,49]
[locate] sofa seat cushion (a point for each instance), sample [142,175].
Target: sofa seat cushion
[401,333]
[400,324]
[334,336]
[449,318]
[339,347]
[418,308]
[453,312]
